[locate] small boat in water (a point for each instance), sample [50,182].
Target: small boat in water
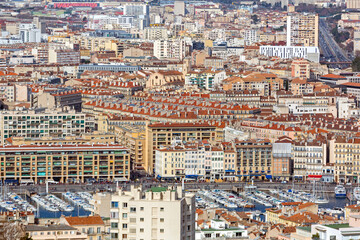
[340,191]
[356,193]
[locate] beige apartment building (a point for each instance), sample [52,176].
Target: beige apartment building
[254,159]
[300,69]
[54,232]
[345,154]
[93,226]
[163,134]
[158,213]
[64,163]
[303,29]
[353,4]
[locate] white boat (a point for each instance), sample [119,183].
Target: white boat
[356,193]
[340,191]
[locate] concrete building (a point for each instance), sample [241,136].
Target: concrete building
[218,229]
[54,232]
[65,163]
[352,4]
[158,213]
[35,124]
[172,49]
[93,226]
[163,134]
[179,8]
[291,52]
[282,162]
[345,156]
[29,33]
[59,99]
[309,159]
[300,69]
[254,159]
[64,56]
[302,29]
[155,33]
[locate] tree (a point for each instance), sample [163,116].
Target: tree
[255,18]
[14,230]
[315,236]
[356,64]
[26,237]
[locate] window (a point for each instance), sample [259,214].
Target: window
[162,230]
[114,215]
[114,225]
[161,209]
[124,205]
[141,219]
[114,204]
[124,226]
[115,235]
[132,209]
[124,215]
[161,220]
[141,208]
[141,230]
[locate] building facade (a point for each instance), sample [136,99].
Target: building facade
[64,163]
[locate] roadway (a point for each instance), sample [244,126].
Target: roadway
[329,48]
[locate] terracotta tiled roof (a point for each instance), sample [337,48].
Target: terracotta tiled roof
[90,220]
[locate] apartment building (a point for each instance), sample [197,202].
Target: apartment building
[205,79]
[64,163]
[300,69]
[64,56]
[36,124]
[309,158]
[57,99]
[193,160]
[158,213]
[170,49]
[300,86]
[132,137]
[163,134]
[155,33]
[93,226]
[254,159]
[54,232]
[85,138]
[345,155]
[282,161]
[302,29]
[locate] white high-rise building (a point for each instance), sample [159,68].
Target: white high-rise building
[172,49]
[140,11]
[29,33]
[158,213]
[179,8]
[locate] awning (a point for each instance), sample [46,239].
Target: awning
[268,176]
[298,177]
[229,170]
[120,179]
[314,176]
[26,181]
[191,176]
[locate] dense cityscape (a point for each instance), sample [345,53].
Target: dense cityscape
[180,120]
